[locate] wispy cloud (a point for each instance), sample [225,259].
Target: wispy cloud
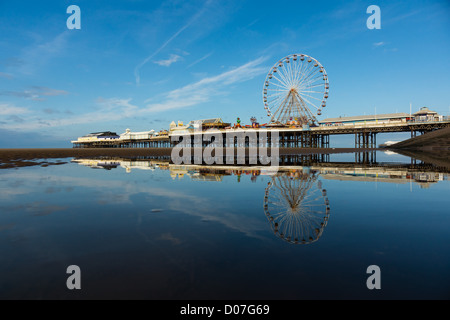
[16,118]
[116,108]
[199,60]
[110,109]
[166,63]
[175,35]
[379,44]
[9,109]
[6,75]
[38,54]
[35,93]
[12,62]
[201,91]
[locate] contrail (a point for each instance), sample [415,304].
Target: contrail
[193,19]
[199,60]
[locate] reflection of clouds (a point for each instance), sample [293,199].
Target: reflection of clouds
[52,190]
[8,193]
[18,183]
[37,208]
[169,237]
[109,192]
[42,209]
[7,226]
[108,197]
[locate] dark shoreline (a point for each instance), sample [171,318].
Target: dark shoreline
[48,153]
[23,157]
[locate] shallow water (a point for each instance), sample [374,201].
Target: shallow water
[152,230]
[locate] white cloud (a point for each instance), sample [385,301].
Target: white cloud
[7,109]
[379,44]
[108,110]
[201,91]
[166,63]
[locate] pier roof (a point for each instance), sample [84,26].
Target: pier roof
[101,133]
[368,117]
[205,121]
[424,111]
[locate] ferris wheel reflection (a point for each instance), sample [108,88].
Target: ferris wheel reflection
[297,206]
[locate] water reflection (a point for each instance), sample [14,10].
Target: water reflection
[294,202]
[297,207]
[413,171]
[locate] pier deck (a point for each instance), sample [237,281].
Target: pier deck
[289,137]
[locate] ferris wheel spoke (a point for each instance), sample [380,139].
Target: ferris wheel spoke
[305,95]
[282,103]
[279,94]
[280,84]
[279,109]
[283,84]
[312,82]
[279,90]
[309,102]
[306,109]
[309,76]
[305,113]
[316,85]
[306,72]
[312,73]
[290,73]
[282,75]
[298,71]
[311,91]
[274,99]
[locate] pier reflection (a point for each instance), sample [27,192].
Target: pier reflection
[295,202]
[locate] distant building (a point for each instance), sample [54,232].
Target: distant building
[426,115]
[370,119]
[96,136]
[128,135]
[205,124]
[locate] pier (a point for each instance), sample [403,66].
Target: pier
[287,137]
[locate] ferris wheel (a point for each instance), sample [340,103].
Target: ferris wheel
[297,207]
[295,90]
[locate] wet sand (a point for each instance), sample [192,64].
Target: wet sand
[11,158]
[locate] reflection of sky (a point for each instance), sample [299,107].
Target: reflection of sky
[381,156]
[160,237]
[159,193]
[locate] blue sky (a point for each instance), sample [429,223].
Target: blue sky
[141,64]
